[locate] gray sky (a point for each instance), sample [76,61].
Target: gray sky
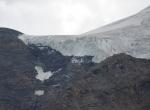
[47,17]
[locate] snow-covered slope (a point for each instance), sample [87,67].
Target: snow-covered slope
[131,36]
[135,20]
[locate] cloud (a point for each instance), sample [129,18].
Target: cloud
[64,16]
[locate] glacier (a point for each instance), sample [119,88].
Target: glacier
[130,36]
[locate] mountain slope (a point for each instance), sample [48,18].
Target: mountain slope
[142,18]
[58,72]
[20,89]
[120,82]
[16,72]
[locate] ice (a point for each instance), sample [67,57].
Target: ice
[130,36]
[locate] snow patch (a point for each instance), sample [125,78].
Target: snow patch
[39,92]
[42,76]
[41,48]
[76,60]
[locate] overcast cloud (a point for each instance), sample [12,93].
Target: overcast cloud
[43,17]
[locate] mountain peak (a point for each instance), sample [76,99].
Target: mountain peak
[9,31]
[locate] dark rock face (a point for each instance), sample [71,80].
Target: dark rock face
[120,82]
[16,73]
